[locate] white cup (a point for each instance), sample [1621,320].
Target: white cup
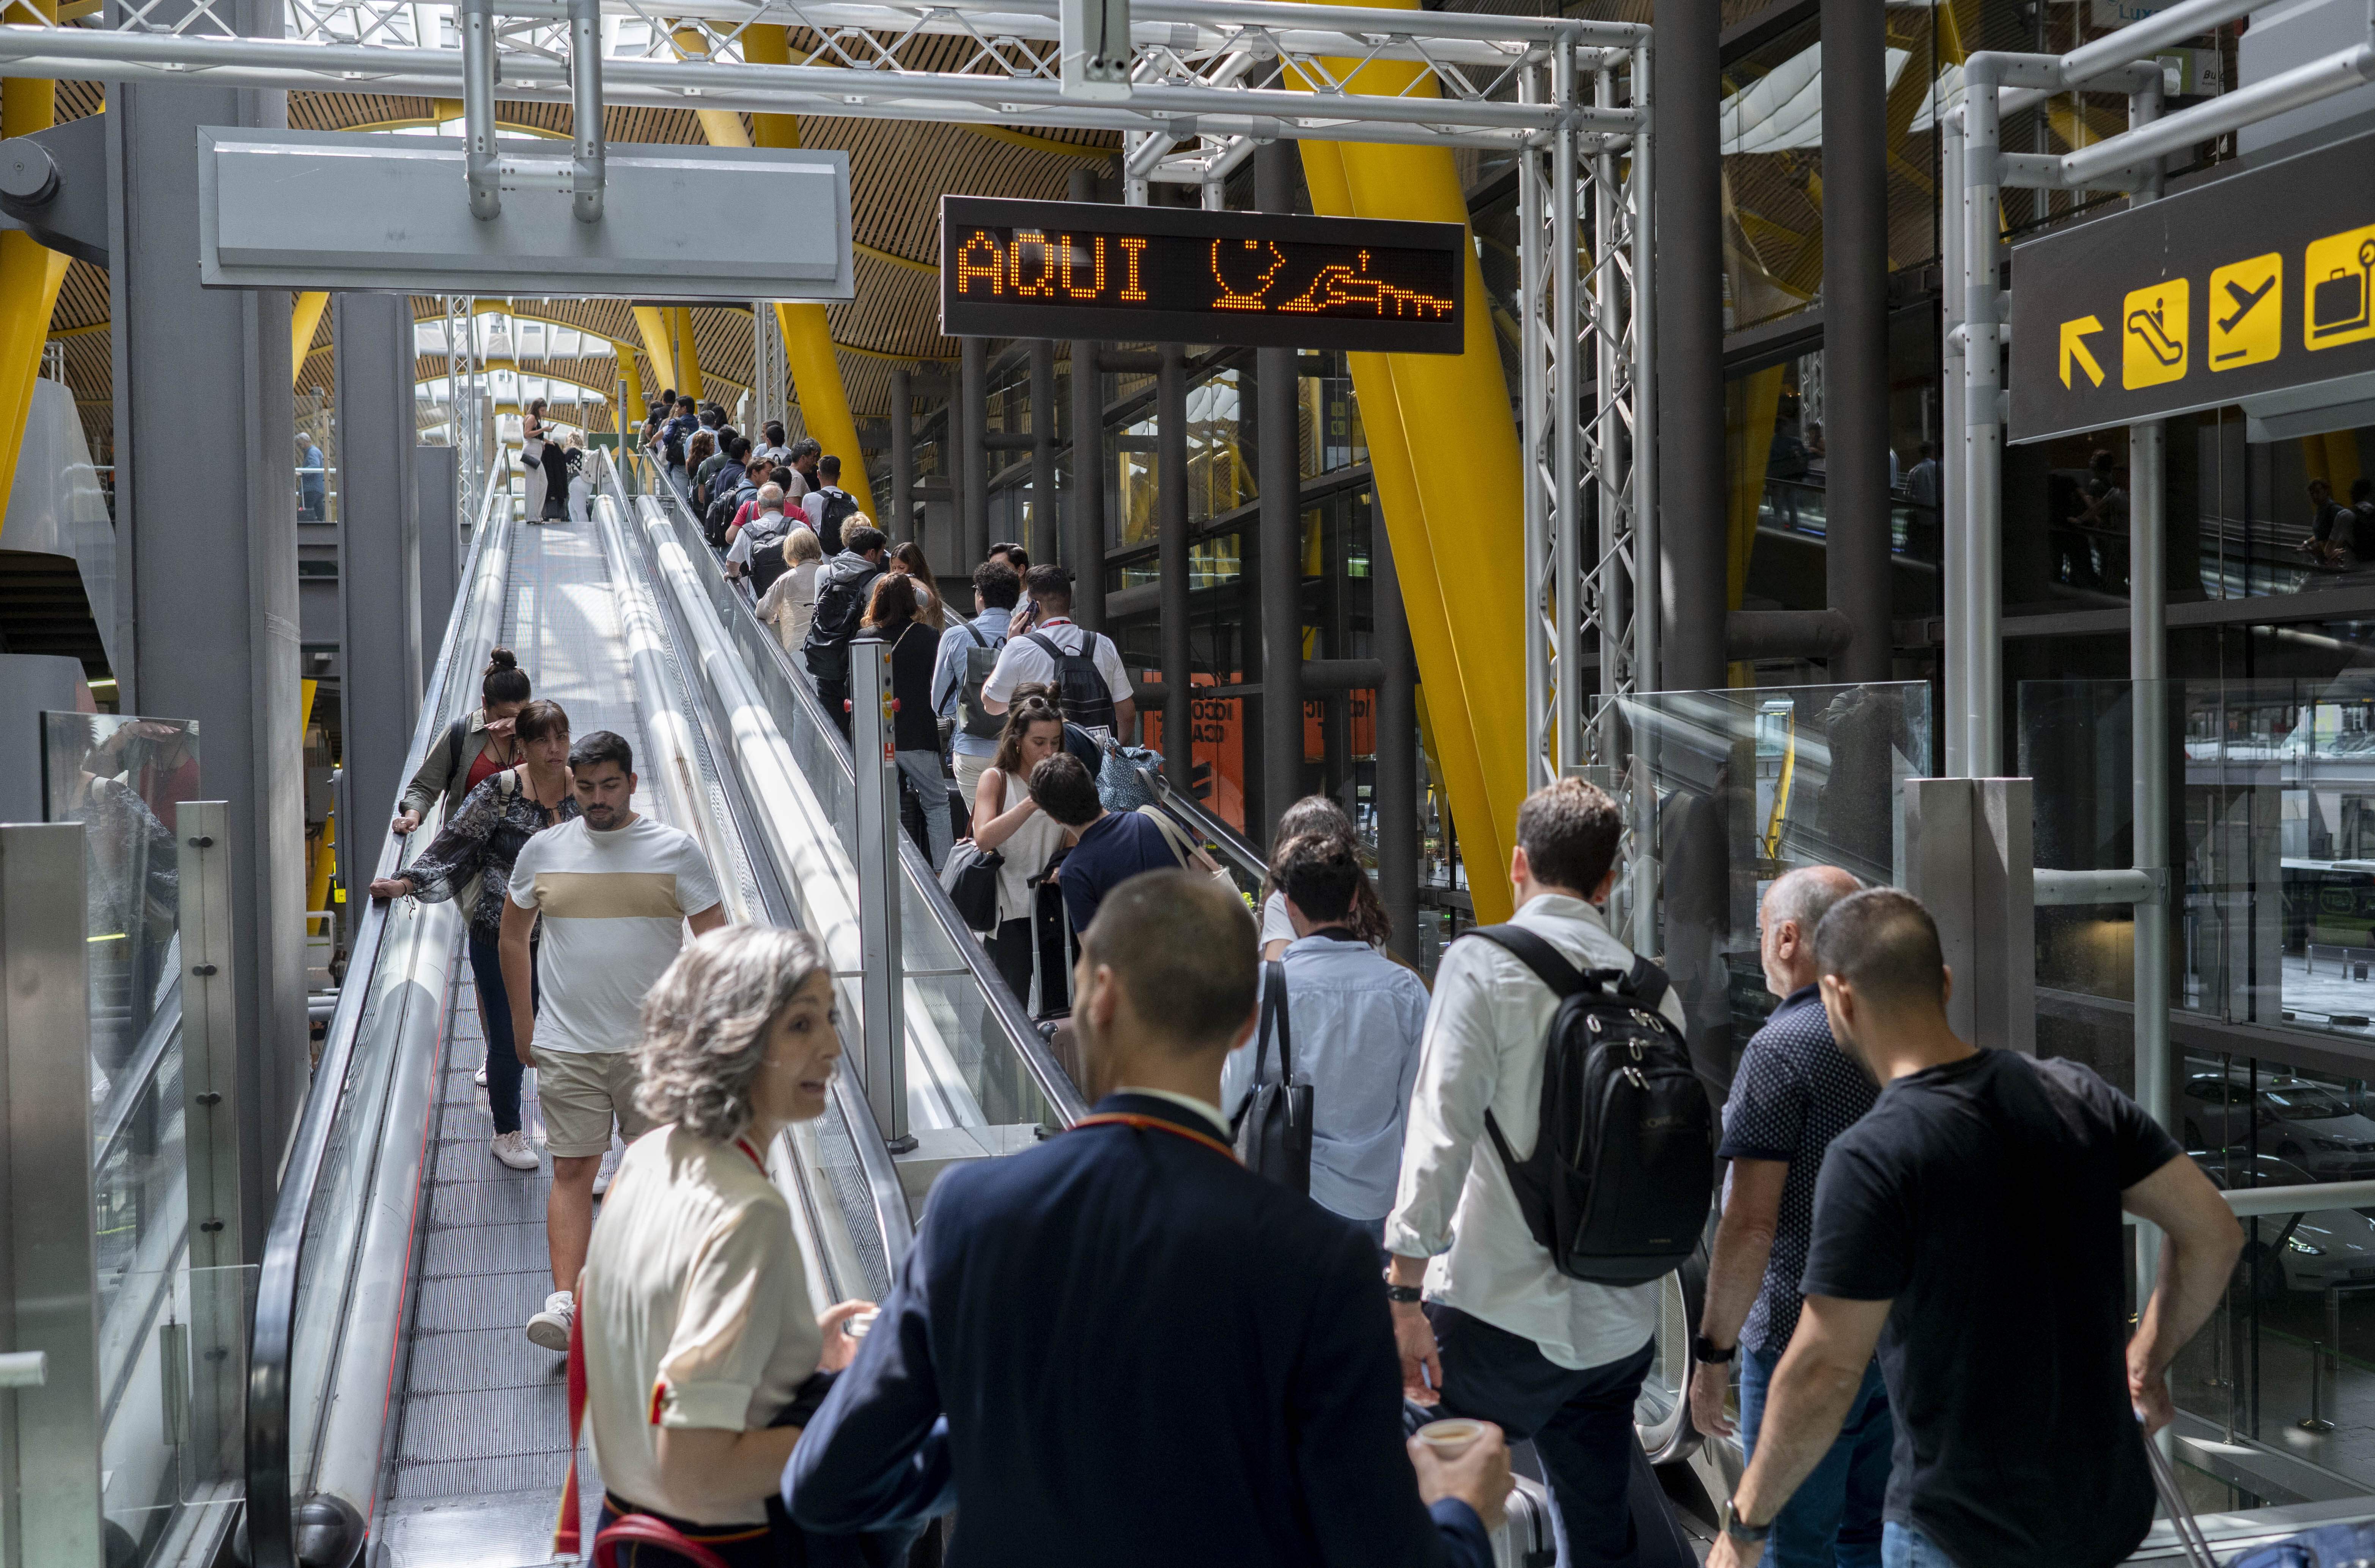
[1450,1439]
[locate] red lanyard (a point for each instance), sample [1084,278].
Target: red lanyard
[1157,1123]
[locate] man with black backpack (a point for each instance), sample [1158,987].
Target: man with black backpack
[969,652]
[828,506]
[1044,646]
[844,584]
[1553,1073]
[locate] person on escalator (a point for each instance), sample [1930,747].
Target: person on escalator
[916,734]
[968,652]
[1006,819]
[476,849]
[1121,1346]
[611,892]
[844,586]
[830,509]
[790,604]
[703,1358]
[1368,920]
[1108,847]
[757,546]
[473,748]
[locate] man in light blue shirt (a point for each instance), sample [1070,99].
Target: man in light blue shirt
[996,587]
[1354,1021]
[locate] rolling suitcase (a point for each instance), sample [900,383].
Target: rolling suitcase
[1527,1538]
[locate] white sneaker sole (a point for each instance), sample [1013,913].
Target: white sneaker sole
[527,1162]
[548,1331]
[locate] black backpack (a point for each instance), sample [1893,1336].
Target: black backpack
[840,611]
[981,659]
[839,505]
[720,515]
[1080,685]
[1623,1162]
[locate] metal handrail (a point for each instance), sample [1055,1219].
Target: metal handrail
[123,1094]
[2300,1199]
[1238,851]
[270,1505]
[1055,1085]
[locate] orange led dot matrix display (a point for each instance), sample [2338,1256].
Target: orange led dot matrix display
[1088,270]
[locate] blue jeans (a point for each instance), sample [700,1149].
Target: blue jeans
[1833,1517]
[931,787]
[1905,1547]
[504,1067]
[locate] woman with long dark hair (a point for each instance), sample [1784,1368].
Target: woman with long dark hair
[1368,921]
[915,733]
[476,849]
[473,748]
[1007,820]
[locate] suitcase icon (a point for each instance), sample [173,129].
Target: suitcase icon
[2340,303]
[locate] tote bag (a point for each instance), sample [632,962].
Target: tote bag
[1273,1126]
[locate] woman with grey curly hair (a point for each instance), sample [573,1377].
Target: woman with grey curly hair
[697,1335]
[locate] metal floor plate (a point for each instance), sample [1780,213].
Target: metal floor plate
[482,1446]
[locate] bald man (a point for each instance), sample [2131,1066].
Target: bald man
[1795,1090]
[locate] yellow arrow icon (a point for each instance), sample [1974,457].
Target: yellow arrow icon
[2074,348]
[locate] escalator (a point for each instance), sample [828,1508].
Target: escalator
[394,1405]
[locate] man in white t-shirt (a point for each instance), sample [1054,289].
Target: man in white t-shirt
[614,891]
[1047,610]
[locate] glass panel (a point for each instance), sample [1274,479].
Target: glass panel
[174,1389]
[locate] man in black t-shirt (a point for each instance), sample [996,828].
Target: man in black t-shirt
[1975,1213]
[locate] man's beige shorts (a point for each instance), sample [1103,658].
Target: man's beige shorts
[580,1091]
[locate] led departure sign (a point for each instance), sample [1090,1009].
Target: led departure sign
[1177,274]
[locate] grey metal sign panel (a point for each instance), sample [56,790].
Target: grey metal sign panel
[2254,284]
[326,209]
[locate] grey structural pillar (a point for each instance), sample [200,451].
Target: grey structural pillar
[434,474]
[1395,795]
[1170,517]
[207,502]
[1280,478]
[378,563]
[1855,332]
[902,521]
[1688,200]
[1084,508]
[970,427]
[1045,539]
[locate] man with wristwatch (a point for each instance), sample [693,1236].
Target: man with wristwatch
[1795,1090]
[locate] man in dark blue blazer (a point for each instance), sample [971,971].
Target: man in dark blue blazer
[1123,1346]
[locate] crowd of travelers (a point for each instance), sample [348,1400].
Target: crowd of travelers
[1337,1252]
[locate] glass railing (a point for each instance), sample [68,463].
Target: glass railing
[314,1248]
[968,1033]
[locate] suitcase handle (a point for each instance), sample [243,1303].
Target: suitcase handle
[2191,1541]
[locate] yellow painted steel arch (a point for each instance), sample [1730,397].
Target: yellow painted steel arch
[1459,551]
[30,274]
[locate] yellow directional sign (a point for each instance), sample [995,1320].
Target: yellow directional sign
[2246,311]
[2073,348]
[2153,343]
[2338,283]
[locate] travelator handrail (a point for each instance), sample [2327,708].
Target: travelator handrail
[271,1526]
[1063,1096]
[1237,854]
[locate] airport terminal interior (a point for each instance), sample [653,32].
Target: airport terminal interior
[1713,399]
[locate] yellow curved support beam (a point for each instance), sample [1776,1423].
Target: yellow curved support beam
[304,320]
[1465,602]
[688,351]
[807,338]
[651,325]
[31,275]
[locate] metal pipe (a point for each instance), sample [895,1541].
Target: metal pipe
[2142,39]
[1563,601]
[1084,509]
[477,18]
[903,453]
[2147,672]
[970,427]
[1955,528]
[1279,460]
[1394,794]
[1982,378]
[1647,622]
[588,165]
[2060,889]
[1855,332]
[1619,595]
[1171,516]
[1537,353]
[1690,451]
[2312,83]
[1041,529]
[2247,1202]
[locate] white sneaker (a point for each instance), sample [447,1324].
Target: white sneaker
[602,1179]
[480,1077]
[512,1149]
[550,1328]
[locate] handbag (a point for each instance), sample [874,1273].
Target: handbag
[1273,1126]
[1185,849]
[971,877]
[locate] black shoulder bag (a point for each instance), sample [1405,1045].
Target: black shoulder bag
[1273,1126]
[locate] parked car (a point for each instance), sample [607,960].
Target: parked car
[2325,1247]
[2314,1125]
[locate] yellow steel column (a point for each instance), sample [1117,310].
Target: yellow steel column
[304,322]
[688,351]
[650,323]
[30,274]
[1465,602]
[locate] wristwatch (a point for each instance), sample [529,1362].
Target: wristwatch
[1404,1295]
[1740,1529]
[1706,1352]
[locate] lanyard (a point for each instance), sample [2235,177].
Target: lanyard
[1154,1124]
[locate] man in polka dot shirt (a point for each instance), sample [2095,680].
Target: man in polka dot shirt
[1795,1091]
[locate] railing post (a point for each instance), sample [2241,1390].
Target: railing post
[210,1123]
[884,1069]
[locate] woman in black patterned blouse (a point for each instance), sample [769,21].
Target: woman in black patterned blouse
[482,841]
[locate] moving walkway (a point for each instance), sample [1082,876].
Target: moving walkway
[395,1404]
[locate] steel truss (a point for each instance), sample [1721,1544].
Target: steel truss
[1211,81]
[465,422]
